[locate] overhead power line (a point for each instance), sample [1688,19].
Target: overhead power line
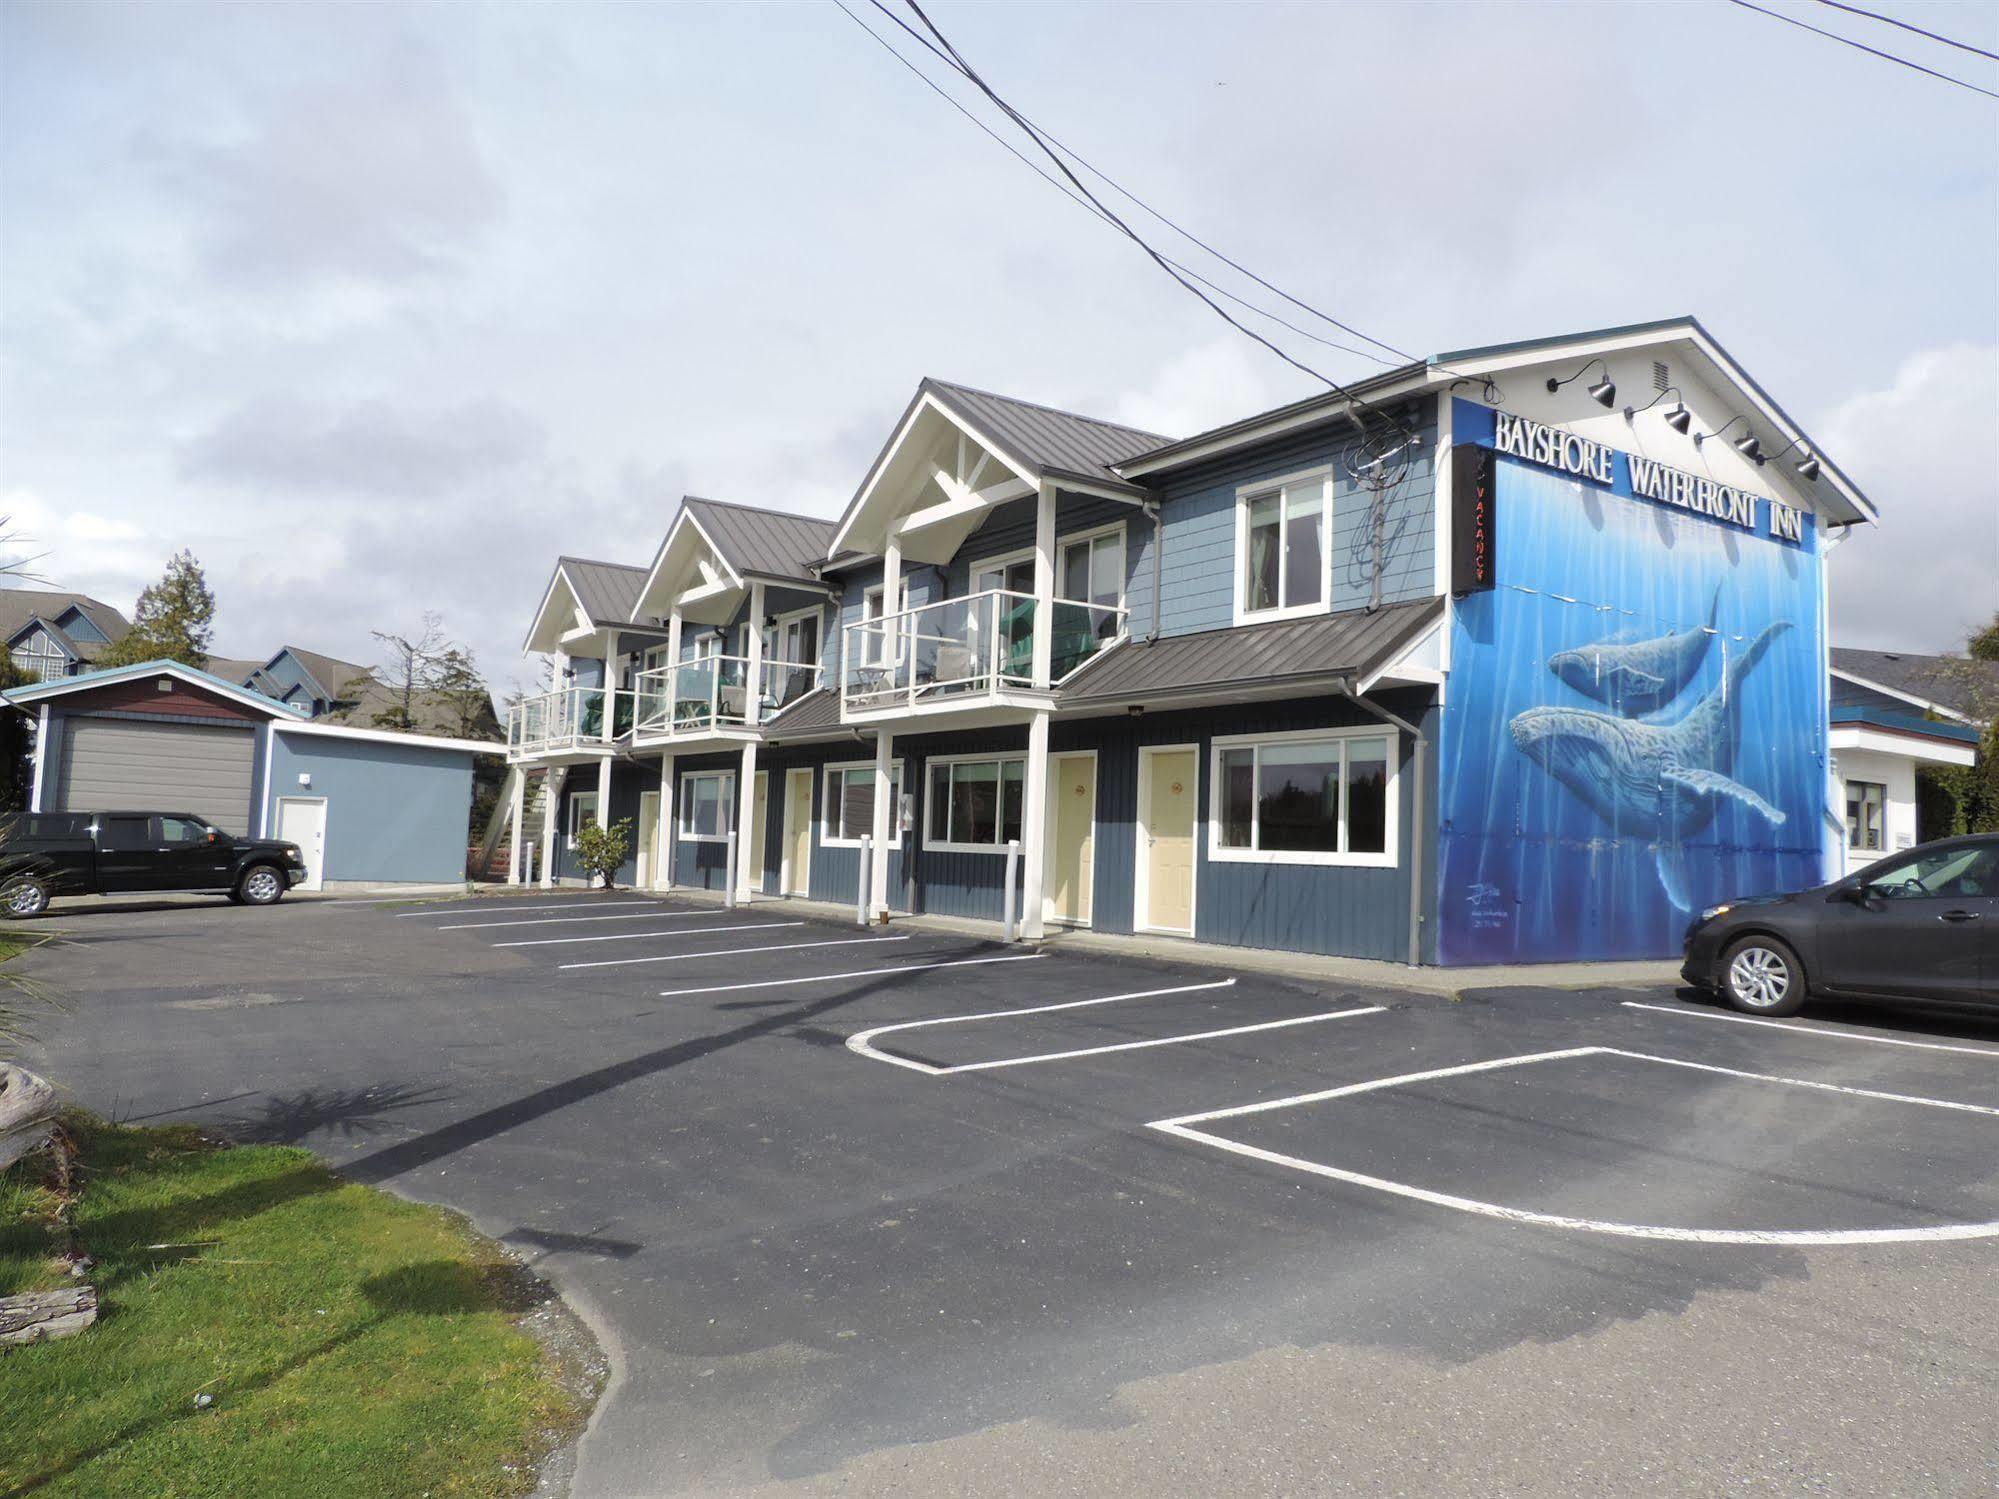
[1935,36]
[1777,15]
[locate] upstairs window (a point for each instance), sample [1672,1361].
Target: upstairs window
[1283,563]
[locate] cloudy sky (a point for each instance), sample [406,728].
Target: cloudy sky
[378,308]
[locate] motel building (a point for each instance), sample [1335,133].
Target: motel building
[1517,653]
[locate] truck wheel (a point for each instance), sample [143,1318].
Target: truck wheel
[261,885]
[1762,976]
[27,898]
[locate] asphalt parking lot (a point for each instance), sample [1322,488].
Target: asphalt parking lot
[897,1211]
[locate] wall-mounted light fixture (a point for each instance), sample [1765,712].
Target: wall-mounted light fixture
[1679,418]
[1747,444]
[1808,467]
[1604,392]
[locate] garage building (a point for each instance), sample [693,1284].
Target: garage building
[369,807]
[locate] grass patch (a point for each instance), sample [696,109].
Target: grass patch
[352,1343]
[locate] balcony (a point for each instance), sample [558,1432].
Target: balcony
[569,721]
[711,698]
[966,653]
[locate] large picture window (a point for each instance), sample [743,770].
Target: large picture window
[975,804]
[1310,798]
[1283,561]
[850,805]
[707,805]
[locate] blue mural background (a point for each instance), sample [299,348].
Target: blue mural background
[1533,868]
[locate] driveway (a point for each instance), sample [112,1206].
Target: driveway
[896,1212]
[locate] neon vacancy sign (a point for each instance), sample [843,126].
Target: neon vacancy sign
[1566,452]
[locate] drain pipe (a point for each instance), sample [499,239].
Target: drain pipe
[1151,508]
[1415,813]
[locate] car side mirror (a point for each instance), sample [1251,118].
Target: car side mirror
[214,837]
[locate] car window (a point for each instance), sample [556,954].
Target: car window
[123,834]
[1944,874]
[183,830]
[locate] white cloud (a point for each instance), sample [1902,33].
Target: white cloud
[1925,449]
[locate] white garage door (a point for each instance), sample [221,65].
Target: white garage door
[112,763]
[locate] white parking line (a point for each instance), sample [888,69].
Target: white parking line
[733,952]
[1093,1051]
[858,973]
[1183,1128]
[467,926]
[453,908]
[1989,1053]
[678,931]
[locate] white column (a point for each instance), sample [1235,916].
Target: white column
[1044,615]
[672,669]
[885,810]
[890,644]
[604,791]
[662,859]
[614,671]
[1033,825]
[746,801]
[551,789]
[42,773]
[516,825]
[753,670]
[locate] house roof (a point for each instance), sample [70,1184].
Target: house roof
[607,591]
[428,715]
[86,681]
[1956,685]
[1349,645]
[20,606]
[329,672]
[1060,444]
[231,669]
[1906,724]
[775,543]
[818,712]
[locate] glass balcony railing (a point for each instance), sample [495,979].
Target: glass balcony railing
[713,692]
[570,718]
[968,648]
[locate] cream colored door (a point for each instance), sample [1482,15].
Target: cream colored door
[1168,837]
[648,839]
[1073,847]
[759,821]
[795,875]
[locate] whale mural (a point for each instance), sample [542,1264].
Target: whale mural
[1640,676]
[1659,782]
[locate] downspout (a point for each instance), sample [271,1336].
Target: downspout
[1415,814]
[1151,508]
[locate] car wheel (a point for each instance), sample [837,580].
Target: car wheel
[27,898]
[261,885]
[1761,976]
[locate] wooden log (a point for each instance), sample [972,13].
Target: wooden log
[27,1113]
[36,1316]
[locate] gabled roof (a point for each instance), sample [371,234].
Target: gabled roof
[18,606]
[1059,444]
[1956,686]
[230,669]
[607,591]
[328,673]
[773,543]
[70,648]
[818,712]
[64,686]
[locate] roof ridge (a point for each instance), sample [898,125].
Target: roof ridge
[1076,416]
[600,562]
[702,499]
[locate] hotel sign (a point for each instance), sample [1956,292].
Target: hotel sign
[1565,452]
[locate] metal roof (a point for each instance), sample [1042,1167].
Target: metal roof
[1955,683]
[608,591]
[1056,443]
[818,712]
[1349,644]
[775,543]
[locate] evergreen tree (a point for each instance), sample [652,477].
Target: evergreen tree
[174,619]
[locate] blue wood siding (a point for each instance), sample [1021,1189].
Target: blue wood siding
[394,813]
[628,780]
[1010,528]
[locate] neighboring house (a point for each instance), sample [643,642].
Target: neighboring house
[368,807]
[1513,653]
[325,687]
[51,635]
[1892,713]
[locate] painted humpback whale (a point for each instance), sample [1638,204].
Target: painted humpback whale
[1659,782]
[1640,676]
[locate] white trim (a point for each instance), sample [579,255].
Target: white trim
[925,401]
[998,758]
[1280,484]
[41,760]
[270,737]
[1084,537]
[1953,714]
[575,819]
[1905,742]
[391,736]
[1053,817]
[684,802]
[786,885]
[900,785]
[1141,908]
[1389,859]
[646,859]
[325,820]
[87,681]
[998,560]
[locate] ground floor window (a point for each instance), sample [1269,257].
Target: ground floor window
[850,805]
[975,804]
[707,805]
[1306,798]
[1866,816]
[582,813]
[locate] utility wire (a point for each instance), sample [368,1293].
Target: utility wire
[1935,36]
[1083,203]
[1777,15]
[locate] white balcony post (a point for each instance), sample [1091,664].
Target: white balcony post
[614,671]
[746,803]
[516,824]
[754,667]
[604,791]
[551,794]
[885,811]
[558,718]
[1033,832]
[888,641]
[663,836]
[1044,631]
[672,667]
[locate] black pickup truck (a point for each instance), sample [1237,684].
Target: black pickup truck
[47,854]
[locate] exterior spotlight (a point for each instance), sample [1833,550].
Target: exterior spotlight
[1604,392]
[1679,418]
[1753,449]
[1809,469]
[1749,448]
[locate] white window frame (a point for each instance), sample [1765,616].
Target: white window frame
[898,782]
[685,805]
[999,757]
[1861,848]
[577,802]
[1085,538]
[999,560]
[871,610]
[1244,493]
[1389,858]
[774,635]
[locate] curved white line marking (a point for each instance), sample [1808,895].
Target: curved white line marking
[858,1043]
[1096,1051]
[731,952]
[1991,1054]
[678,931]
[1182,1127]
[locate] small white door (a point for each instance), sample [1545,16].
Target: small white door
[1168,780]
[648,838]
[759,821]
[1072,809]
[302,820]
[795,869]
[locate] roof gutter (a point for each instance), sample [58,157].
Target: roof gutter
[1415,812]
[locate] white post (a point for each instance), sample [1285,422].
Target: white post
[42,777]
[516,826]
[746,803]
[614,672]
[1012,887]
[551,793]
[672,667]
[604,791]
[1033,814]
[664,838]
[888,640]
[729,874]
[861,893]
[753,668]
[1044,603]
[885,810]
